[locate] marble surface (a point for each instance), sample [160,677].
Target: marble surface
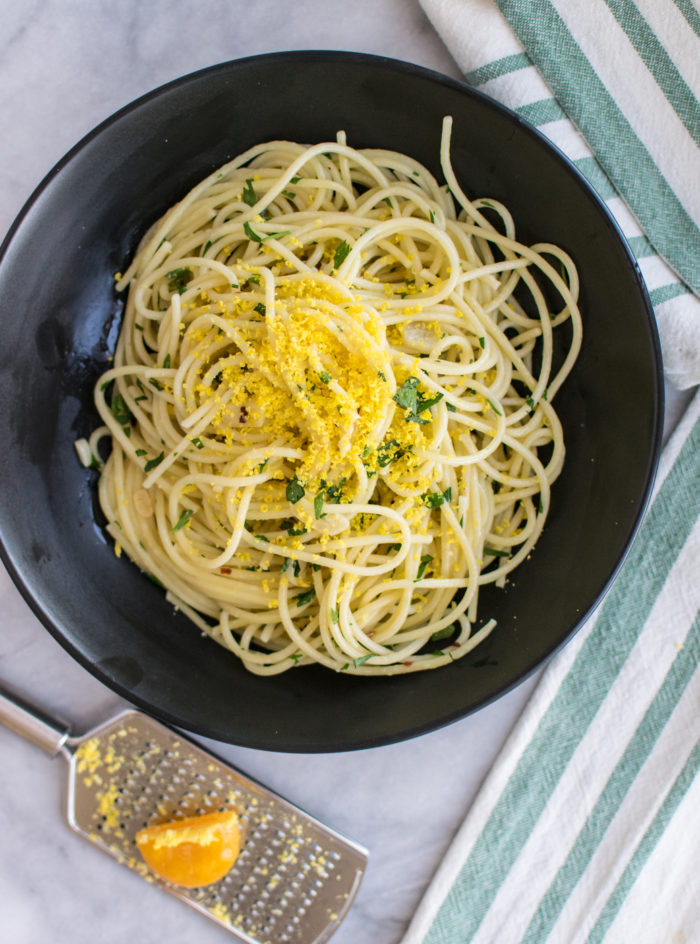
[64,66]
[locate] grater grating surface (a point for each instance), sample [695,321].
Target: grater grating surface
[294,879]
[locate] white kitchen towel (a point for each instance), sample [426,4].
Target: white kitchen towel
[615,85]
[587,828]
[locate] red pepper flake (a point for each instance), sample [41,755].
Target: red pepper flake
[224,570]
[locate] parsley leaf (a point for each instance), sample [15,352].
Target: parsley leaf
[451,407]
[361,660]
[305,598]
[424,561]
[436,499]
[444,633]
[318,505]
[334,616]
[495,552]
[407,394]
[256,238]
[249,196]
[341,254]
[183,519]
[385,455]
[409,397]
[295,491]
[121,412]
[178,279]
[261,309]
[197,442]
[325,377]
[152,463]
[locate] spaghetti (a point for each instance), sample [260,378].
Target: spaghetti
[331,419]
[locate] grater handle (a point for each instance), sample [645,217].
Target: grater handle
[31,724]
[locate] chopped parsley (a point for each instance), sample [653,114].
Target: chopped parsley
[325,377]
[295,491]
[424,561]
[140,452]
[166,361]
[261,309]
[495,552]
[289,194]
[305,598]
[197,442]
[451,407]
[249,196]
[341,254]
[256,238]
[335,492]
[183,519]
[358,662]
[409,397]
[444,633]
[436,499]
[482,342]
[121,413]
[152,463]
[178,279]
[388,452]
[318,505]
[334,616]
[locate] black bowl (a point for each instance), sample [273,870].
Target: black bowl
[59,317]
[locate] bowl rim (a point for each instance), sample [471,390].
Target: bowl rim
[360,59]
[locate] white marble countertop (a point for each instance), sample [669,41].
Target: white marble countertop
[64,66]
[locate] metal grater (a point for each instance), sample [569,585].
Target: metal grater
[294,880]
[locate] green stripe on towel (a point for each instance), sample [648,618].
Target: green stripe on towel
[625,159]
[625,610]
[648,843]
[611,798]
[659,63]
[497,68]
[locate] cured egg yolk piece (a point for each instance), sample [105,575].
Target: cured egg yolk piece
[192,852]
